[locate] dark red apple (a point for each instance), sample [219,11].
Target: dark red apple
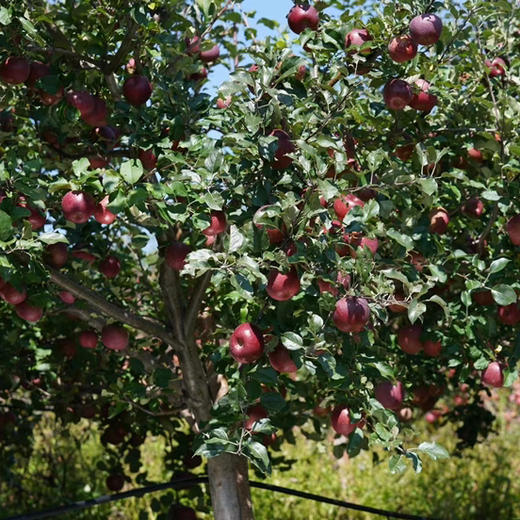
[351,314]
[67,297]
[341,422]
[35,219]
[509,314]
[96,117]
[285,146]
[15,70]
[343,204]
[110,266]
[513,230]
[176,254]
[473,207]
[210,55]
[12,295]
[402,48]
[475,155]
[38,70]
[246,343]
[137,90]
[283,286]
[405,151]
[432,348]
[281,360]
[356,38]
[97,162]
[84,255]
[493,375]
[303,16]
[325,286]
[148,159]
[114,337]
[200,75]
[483,297]
[426,29]
[82,101]
[224,103]
[397,94]
[439,220]
[102,214]
[422,99]
[78,206]
[409,339]
[390,396]
[255,413]
[29,312]
[183,513]
[218,223]
[88,339]
[115,482]
[496,67]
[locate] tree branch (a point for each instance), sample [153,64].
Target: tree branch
[170,286]
[193,309]
[109,309]
[124,48]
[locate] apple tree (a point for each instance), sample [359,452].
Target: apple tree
[330,239]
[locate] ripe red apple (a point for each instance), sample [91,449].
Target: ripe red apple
[102,214]
[29,312]
[38,70]
[114,337]
[432,348]
[148,159]
[15,70]
[493,375]
[115,482]
[35,219]
[344,203]
[282,286]
[67,348]
[176,254]
[84,255]
[390,396]
[96,117]
[432,416]
[281,360]
[409,339]
[340,420]
[325,286]
[422,100]
[110,266]
[475,155]
[496,67]
[351,314]
[78,206]
[88,339]
[439,220]
[513,230]
[255,413]
[426,29]
[67,297]
[509,314]
[402,48]
[97,162]
[246,343]
[405,414]
[82,101]
[137,90]
[285,146]
[218,224]
[183,513]
[200,75]
[483,297]
[356,38]
[12,295]
[405,151]
[397,94]
[210,55]
[224,103]
[303,16]
[473,207]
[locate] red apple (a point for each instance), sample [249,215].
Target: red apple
[432,416]
[200,75]
[15,70]
[281,360]
[67,348]
[246,343]
[137,90]
[509,314]
[390,396]
[282,286]
[115,482]
[218,224]
[35,219]
[303,16]
[426,29]
[409,339]
[423,100]
[513,230]
[483,297]
[38,70]
[351,314]
[183,513]
[402,48]
[493,375]
[176,254]
[475,155]
[96,117]
[405,151]
[11,295]
[84,255]
[148,159]
[82,101]
[114,337]
[110,266]
[473,207]
[102,214]
[29,312]
[356,38]
[439,220]
[224,103]
[97,162]
[344,203]
[67,297]
[340,420]
[88,339]
[496,67]
[432,348]
[255,413]
[285,146]
[210,55]
[78,206]
[405,414]
[397,94]
[325,286]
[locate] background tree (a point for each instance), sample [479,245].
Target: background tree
[332,240]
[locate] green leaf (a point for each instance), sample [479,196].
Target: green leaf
[292,341]
[497,265]
[415,309]
[428,186]
[162,377]
[131,171]
[416,461]
[6,225]
[433,450]
[214,201]
[236,239]
[396,464]
[503,294]
[5,16]
[490,195]
[258,455]
[403,240]
[273,401]
[53,238]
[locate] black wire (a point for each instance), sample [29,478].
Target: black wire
[188,482]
